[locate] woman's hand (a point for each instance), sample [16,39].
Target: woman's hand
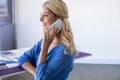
[47,40]
[48,37]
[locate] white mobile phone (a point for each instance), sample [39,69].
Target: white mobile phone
[58,23]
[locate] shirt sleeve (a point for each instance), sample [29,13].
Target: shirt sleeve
[48,70]
[30,55]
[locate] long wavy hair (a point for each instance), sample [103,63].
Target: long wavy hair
[59,8]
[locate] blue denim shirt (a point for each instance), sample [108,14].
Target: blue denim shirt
[57,66]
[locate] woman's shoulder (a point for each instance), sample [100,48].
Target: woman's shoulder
[38,43]
[36,46]
[62,48]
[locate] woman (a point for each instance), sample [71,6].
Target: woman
[52,57]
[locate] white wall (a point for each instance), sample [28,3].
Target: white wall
[28,27]
[95,24]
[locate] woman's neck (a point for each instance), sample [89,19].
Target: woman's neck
[56,41]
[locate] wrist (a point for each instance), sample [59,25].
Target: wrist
[44,48]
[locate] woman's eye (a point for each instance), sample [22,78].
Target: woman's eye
[45,15]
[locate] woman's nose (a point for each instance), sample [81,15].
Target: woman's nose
[41,19]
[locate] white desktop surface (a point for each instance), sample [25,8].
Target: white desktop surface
[98,60]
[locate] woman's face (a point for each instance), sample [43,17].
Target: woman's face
[47,17]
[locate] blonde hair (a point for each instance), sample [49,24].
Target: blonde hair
[59,8]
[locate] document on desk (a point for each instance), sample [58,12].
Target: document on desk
[6,63]
[12,55]
[10,58]
[3,63]
[9,55]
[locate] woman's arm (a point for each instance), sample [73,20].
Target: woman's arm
[29,67]
[28,59]
[43,55]
[47,40]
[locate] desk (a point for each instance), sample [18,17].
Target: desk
[17,70]
[12,62]
[10,72]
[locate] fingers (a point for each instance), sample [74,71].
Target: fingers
[50,34]
[54,30]
[46,33]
